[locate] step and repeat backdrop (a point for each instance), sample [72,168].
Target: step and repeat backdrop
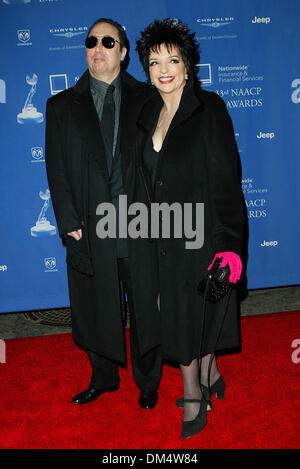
[249,56]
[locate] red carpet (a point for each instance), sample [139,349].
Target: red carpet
[260,410]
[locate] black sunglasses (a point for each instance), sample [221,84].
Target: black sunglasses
[107,41]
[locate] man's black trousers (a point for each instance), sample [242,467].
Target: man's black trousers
[146,369]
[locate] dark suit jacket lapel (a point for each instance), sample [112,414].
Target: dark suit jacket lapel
[85,115]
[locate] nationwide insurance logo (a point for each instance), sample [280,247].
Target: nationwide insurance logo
[58,83]
[67,37]
[205,74]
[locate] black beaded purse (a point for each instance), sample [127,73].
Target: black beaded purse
[215,285]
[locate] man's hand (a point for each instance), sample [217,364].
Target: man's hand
[77,235]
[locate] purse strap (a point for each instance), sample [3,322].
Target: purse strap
[208,283]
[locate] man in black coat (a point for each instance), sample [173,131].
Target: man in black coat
[90,135]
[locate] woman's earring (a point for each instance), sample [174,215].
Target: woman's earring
[186,76]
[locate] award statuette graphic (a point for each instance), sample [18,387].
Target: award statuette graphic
[29,112]
[42,226]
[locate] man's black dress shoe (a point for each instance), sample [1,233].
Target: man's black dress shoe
[91,394]
[148,399]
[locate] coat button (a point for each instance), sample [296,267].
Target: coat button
[163,252]
[82,223]
[160,183]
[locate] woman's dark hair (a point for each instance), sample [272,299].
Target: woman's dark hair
[171,33]
[124,42]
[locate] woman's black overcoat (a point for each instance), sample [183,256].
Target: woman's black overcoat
[198,163]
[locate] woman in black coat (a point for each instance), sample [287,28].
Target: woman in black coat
[187,156]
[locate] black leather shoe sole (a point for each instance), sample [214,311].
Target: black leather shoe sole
[148,399]
[91,394]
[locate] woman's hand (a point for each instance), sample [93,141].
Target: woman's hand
[77,235]
[234,262]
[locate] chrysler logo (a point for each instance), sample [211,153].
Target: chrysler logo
[215,22]
[69,32]
[68,35]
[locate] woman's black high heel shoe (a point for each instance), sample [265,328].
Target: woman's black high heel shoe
[192,427]
[217,388]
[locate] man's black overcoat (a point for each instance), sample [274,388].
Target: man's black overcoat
[79,181]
